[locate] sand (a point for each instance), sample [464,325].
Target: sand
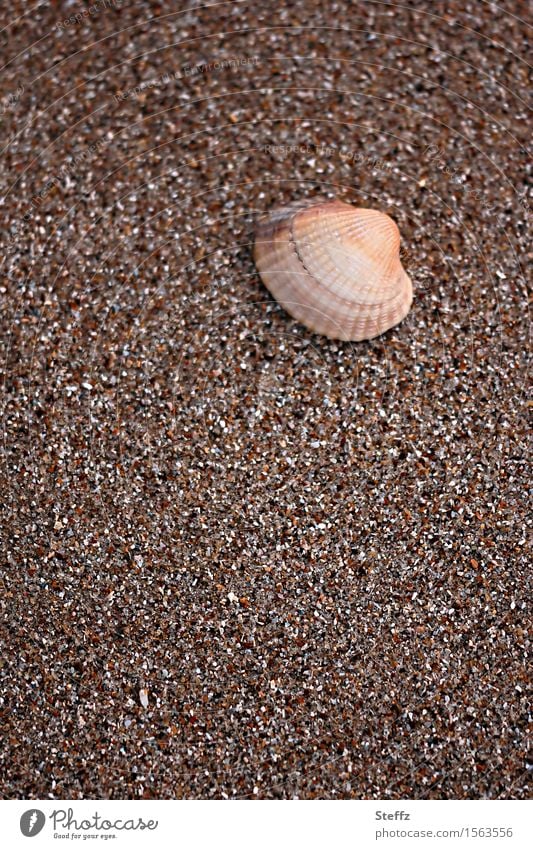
[241,560]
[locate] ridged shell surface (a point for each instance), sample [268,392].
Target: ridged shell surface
[334,267]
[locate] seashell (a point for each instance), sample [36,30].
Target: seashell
[334,267]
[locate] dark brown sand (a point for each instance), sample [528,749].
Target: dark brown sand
[241,560]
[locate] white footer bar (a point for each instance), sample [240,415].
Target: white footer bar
[266,824]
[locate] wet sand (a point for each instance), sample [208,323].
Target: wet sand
[239,559]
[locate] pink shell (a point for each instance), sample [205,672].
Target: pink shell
[334,267]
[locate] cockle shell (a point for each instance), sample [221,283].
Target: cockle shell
[334,267]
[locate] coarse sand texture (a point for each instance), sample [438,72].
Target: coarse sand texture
[241,559]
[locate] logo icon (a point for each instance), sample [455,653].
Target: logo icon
[32,822]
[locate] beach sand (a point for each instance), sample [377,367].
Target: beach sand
[242,560]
